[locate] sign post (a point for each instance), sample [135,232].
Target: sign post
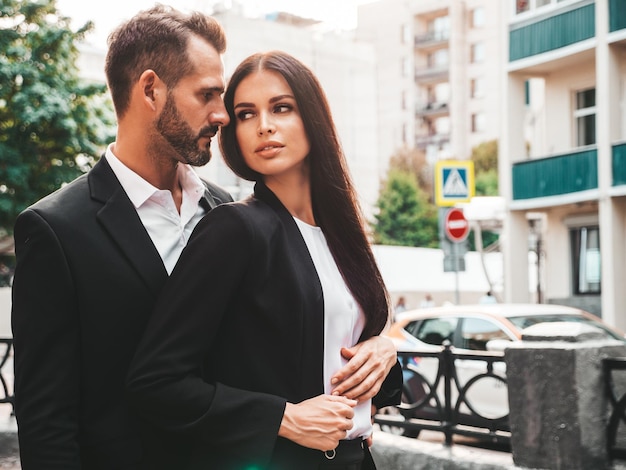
[457,230]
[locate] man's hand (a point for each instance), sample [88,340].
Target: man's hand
[319,422]
[368,364]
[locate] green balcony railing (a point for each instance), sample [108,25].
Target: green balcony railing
[619,164]
[554,32]
[557,175]
[617,15]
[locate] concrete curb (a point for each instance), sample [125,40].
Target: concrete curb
[403,453]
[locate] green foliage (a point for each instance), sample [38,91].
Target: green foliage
[414,161]
[53,126]
[485,157]
[486,183]
[405,216]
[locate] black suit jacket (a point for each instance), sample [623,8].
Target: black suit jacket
[243,310]
[86,281]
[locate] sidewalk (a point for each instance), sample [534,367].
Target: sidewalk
[9,451]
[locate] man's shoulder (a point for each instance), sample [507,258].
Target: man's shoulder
[64,198]
[220,194]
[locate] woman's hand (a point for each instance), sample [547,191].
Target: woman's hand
[319,422]
[368,364]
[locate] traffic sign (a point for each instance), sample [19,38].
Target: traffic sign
[456,226]
[454,182]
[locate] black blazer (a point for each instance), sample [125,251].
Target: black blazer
[86,281]
[243,310]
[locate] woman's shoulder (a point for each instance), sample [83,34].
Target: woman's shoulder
[250,214]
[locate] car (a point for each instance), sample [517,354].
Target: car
[472,327]
[483,329]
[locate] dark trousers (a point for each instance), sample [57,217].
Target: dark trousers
[349,455]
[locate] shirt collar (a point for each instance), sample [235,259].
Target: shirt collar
[139,190]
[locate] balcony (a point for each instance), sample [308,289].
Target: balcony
[432,39]
[426,140]
[617,15]
[619,164]
[557,175]
[432,108]
[432,73]
[549,33]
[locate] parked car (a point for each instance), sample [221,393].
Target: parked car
[486,328]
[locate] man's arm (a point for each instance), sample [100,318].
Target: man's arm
[46,342]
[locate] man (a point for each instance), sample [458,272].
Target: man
[92,257]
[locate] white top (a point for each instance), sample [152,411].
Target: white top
[168,229]
[343,319]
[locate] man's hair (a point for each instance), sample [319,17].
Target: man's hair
[155,39]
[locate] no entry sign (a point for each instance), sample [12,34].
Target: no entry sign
[456,226]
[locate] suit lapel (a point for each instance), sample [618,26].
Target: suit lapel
[121,221]
[312,334]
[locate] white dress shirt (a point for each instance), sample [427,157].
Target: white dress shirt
[343,319]
[168,229]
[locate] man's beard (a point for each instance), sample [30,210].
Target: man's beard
[181,137]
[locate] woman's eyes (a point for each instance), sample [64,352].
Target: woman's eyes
[281,108]
[243,115]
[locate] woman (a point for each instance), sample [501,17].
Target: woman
[269,294]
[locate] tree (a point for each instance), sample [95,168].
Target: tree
[485,157]
[414,161]
[53,126]
[405,215]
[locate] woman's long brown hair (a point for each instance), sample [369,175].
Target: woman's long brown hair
[335,204]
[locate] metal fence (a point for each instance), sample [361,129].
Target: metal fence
[445,397]
[6,377]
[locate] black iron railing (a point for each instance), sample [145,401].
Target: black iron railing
[6,377]
[447,402]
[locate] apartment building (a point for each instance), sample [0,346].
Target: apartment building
[563,152]
[438,73]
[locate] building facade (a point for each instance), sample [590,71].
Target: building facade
[437,72]
[562,167]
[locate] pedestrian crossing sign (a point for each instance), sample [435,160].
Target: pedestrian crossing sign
[454,182]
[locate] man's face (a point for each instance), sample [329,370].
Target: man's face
[194,109]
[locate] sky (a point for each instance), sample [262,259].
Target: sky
[338,14]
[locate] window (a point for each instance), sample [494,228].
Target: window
[477,332]
[521,6]
[405,34]
[585,117]
[586,261]
[403,100]
[479,122]
[477,53]
[405,67]
[442,125]
[438,58]
[478,17]
[433,330]
[439,28]
[477,87]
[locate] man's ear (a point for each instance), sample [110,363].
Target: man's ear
[151,88]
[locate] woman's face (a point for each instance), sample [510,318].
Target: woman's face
[269,128]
